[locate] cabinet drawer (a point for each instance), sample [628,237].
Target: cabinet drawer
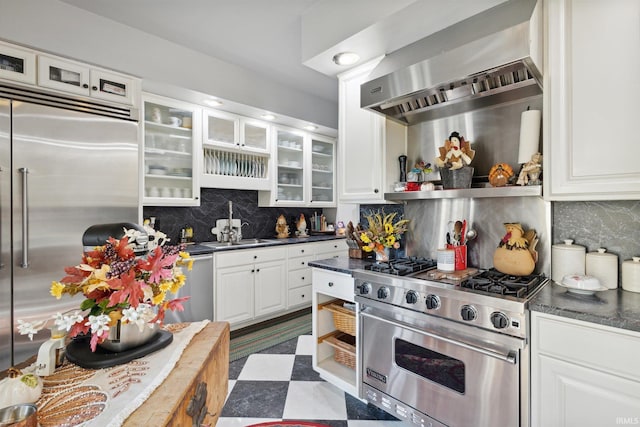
[300,277]
[248,256]
[304,249]
[300,296]
[605,348]
[300,262]
[332,283]
[338,246]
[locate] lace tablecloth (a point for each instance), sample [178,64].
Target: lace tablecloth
[74,396]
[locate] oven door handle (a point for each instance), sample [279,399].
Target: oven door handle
[509,356]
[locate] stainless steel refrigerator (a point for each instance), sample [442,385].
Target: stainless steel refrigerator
[65,164]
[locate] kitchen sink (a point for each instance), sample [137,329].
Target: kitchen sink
[241,243]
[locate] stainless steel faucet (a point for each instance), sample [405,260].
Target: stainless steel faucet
[231,232]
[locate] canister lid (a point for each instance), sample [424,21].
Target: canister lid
[601,253]
[568,245]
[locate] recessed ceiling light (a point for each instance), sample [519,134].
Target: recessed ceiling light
[311,127]
[346,58]
[212,102]
[268,116]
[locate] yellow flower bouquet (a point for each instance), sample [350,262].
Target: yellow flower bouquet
[383,232]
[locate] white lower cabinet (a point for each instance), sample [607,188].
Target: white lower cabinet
[249,284]
[254,285]
[334,289]
[300,274]
[583,374]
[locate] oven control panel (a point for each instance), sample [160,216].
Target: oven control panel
[398,409]
[488,312]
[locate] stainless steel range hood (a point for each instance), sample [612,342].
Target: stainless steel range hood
[487,69]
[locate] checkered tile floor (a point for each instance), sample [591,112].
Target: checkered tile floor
[280,384]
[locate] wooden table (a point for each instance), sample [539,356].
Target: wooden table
[195,391]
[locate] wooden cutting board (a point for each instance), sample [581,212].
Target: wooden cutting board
[452,275]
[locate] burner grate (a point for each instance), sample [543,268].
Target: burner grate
[494,282]
[402,266]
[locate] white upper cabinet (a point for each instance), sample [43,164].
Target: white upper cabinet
[171,152]
[591,100]
[323,176]
[221,129]
[80,79]
[254,135]
[304,170]
[369,144]
[17,64]
[235,152]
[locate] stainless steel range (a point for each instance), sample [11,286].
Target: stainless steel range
[439,349]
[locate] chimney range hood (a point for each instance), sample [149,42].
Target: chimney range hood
[488,70]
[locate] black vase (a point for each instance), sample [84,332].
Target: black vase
[403,168]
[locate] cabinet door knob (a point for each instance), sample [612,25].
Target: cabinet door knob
[255,257]
[257,270]
[375,190]
[253,271]
[302,263]
[94,87]
[302,296]
[302,277]
[330,284]
[85,86]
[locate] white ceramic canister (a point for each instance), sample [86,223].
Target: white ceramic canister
[446,260]
[604,266]
[631,274]
[567,259]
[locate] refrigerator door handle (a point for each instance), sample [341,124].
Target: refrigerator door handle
[25,219]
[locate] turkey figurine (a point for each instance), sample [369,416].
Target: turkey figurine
[516,253]
[500,174]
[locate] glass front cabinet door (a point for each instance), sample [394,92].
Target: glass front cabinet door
[171,144]
[290,166]
[323,176]
[17,64]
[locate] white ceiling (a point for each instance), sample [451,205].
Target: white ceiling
[276,38]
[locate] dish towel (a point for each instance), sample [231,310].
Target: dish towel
[75,396]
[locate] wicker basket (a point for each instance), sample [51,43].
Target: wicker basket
[344,349]
[343,318]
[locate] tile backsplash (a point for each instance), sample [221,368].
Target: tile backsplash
[260,221]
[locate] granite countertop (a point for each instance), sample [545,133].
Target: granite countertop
[202,249]
[341,264]
[616,307]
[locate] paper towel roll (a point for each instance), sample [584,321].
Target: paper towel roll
[529,135]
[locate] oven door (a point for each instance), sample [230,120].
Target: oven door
[454,373]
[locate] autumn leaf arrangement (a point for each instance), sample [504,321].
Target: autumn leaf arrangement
[119,286]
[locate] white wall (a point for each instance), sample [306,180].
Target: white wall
[56,27]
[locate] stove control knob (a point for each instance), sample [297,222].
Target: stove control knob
[432,302]
[411,297]
[383,293]
[499,320]
[364,288]
[468,312]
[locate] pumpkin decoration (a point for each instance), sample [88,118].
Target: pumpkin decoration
[19,388]
[499,174]
[516,253]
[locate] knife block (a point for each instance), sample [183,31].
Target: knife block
[360,254]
